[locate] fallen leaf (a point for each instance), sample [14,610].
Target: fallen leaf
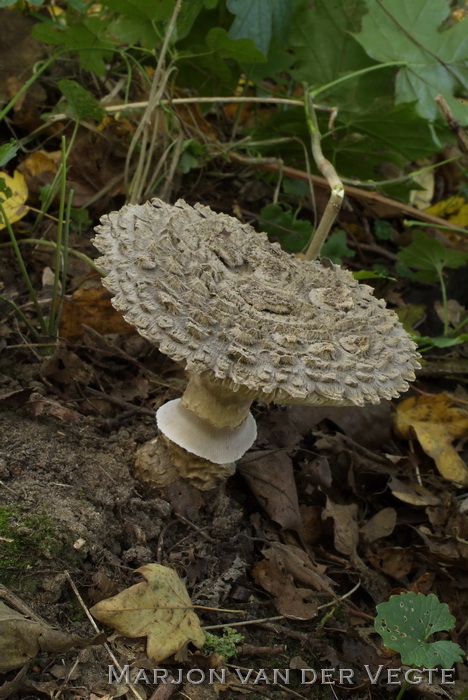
[271,479]
[435,422]
[158,608]
[454,209]
[380,525]
[345,526]
[91,307]
[290,601]
[22,639]
[395,561]
[39,406]
[14,205]
[412,492]
[39,169]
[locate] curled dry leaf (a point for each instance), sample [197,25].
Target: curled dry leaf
[22,639]
[436,423]
[158,608]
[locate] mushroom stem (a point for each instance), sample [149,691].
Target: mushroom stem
[221,407]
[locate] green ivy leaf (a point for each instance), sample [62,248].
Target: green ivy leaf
[428,254]
[8,151]
[81,104]
[292,233]
[336,249]
[260,20]
[436,60]
[241,50]
[405,623]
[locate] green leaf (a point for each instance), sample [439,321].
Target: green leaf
[292,233]
[407,620]
[383,230]
[442,342]
[8,151]
[133,31]
[81,104]
[371,275]
[336,249]
[87,38]
[428,254]
[142,9]
[322,41]
[436,60]
[260,20]
[241,50]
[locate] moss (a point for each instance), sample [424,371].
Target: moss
[25,538]
[226,645]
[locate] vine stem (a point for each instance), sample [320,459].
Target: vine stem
[331,176]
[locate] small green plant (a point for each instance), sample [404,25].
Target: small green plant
[405,624]
[225,646]
[431,258]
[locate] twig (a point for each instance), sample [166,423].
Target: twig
[197,529]
[96,628]
[453,124]
[330,174]
[272,165]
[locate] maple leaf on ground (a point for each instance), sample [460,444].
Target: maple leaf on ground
[158,608]
[436,61]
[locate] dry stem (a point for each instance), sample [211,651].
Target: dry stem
[330,174]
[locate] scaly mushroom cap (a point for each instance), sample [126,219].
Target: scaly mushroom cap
[223,301]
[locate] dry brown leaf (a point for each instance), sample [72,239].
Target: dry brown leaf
[380,525]
[344,517]
[412,492]
[283,566]
[291,601]
[271,479]
[22,639]
[91,307]
[395,561]
[435,422]
[158,608]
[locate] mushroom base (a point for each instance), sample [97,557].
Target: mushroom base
[160,462]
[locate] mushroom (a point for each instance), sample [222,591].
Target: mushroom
[247,321]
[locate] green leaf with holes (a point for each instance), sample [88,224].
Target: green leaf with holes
[406,622]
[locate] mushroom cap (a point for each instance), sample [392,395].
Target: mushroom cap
[199,437]
[223,301]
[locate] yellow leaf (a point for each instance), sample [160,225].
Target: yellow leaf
[454,209]
[158,608]
[436,423]
[14,206]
